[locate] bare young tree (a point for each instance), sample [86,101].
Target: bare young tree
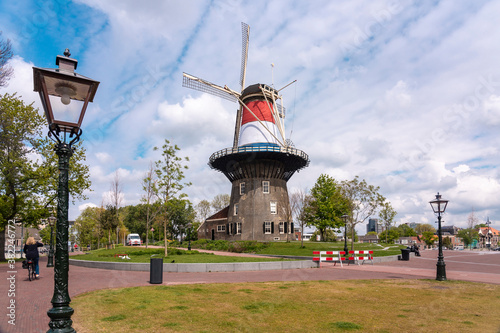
[363,199]
[150,187]
[298,200]
[220,201]
[116,199]
[5,55]
[203,210]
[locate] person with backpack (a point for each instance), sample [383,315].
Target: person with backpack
[31,251]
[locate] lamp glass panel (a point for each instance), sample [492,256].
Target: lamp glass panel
[69,113]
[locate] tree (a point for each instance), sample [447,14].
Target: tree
[170,173]
[108,220]
[29,166]
[390,235]
[149,186]
[468,236]
[202,210]
[87,227]
[298,202]
[115,200]
[405,231]
[421,228]
[326,206]
[362,199]
[429,238]
[5,55]
[387,214]
[220,201]
[180,214]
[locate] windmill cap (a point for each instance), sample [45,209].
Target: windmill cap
[256,89]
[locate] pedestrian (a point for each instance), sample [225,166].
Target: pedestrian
[31,251]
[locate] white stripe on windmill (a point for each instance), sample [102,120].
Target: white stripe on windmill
[260,118]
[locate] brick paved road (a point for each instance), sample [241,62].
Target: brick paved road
[32,299]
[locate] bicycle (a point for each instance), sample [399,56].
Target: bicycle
[31,269]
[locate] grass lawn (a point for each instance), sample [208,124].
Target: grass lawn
[310,306]
[137,254]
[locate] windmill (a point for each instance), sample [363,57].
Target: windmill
[258,165]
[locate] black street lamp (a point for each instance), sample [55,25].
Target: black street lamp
[488,245]
[50,260]
[189,225]
[439,206]
[65,96]
[345,218]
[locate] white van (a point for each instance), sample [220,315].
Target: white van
[133,239]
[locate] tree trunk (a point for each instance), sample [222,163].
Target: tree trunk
[165,237]
[2,244]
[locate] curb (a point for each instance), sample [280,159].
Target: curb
[198,268]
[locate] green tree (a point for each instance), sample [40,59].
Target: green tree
[387,214]
[389,235]
[447,243]
[109,221]
[29,166]
[5,55]
[170,173]
[88,229]
[429,238]
[326,206]
[468,236]
[180,214]
[405,231]
[362,200]
[423,227]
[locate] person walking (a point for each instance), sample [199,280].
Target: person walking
[31,251]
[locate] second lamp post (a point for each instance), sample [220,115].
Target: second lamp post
[439,206]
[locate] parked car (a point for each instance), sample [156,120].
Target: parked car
[133,239]
[496,249]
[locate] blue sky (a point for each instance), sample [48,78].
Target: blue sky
[403,94]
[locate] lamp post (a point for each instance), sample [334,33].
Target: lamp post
[345,218]
[65,96]
[189,225]
[488,245]
[50,260]
[439,206]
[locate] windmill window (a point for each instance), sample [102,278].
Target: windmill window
[274,210]
[265,186]
[282,227]
[242,188]
[267,227]
[238,228]
[235,209]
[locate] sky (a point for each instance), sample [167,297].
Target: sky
[403,94]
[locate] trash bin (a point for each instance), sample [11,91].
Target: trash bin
[405,254]
[156,271]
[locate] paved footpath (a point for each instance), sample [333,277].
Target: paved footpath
[32,299]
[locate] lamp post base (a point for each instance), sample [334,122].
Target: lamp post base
[60,319]
[441,271]
[50,260]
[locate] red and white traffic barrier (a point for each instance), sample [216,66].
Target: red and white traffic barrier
[358,256]
[329,256]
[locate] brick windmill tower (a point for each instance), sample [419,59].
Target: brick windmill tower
[259,164]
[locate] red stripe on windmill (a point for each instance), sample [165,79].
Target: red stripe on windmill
[260,118]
